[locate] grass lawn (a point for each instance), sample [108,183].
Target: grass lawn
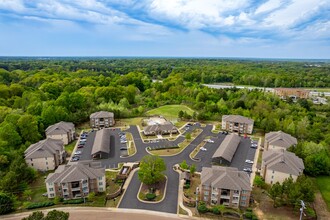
[131,148]
[112,186]
[170,111]
[69,148]
[129,121]
[194,183]
[38,188]
[323,183]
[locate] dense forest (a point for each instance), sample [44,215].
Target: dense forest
[37,93]
[261,73]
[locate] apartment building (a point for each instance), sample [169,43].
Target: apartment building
[237,123]
[64,131]
[75,181]
[278,165]
[225,186]
[278,140]
[102,119]
[45,155]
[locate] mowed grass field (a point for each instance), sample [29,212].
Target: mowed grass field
[323,183]
[170,111]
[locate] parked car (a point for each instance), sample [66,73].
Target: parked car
[254,146]
[209,141]
[123,148]
[123,141]
[75,158]
[81,145]
[78,152]
[248,170]
[203,149]
[249,161]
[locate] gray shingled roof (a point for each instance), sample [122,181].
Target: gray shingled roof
[160,127]
[101,141]
[283,161]
[225,178]
[228,147]
[44,148]
[60,128]
[237,118]
[76,172]
[102,114]
[281,139]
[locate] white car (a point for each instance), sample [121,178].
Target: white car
[209,141]
[249,161]
[203,149]
[77,152]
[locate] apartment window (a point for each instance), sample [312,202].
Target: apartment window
[50,184]
[243,197]
[100,183]
[31,164]
[271,182]
[100,178]
[31,159]
[101,189]
[51,189]
[45,158]
[206,193]
[272,177]
[243,203]
[273,171]
[244,191]
[51,194]
[46,163]
[206,198]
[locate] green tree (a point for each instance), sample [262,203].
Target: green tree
[28,127]
[188,136]
[9,134]
[37,215]
[6,203]
[57,215]
[192,169]
[184,165]
[151,169]
[275,191]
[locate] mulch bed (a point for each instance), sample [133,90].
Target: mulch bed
[159,188]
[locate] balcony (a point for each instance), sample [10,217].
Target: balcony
[75,189]
[225,196]
[225,203]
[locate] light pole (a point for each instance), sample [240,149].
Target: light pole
[302,209]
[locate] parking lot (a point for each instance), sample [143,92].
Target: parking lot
[244,152]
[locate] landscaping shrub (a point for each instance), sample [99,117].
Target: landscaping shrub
[151,196]
[39,205]
[74,201]
[215,210]
[202,208]
[187,186]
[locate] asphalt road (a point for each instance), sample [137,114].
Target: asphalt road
[169,204]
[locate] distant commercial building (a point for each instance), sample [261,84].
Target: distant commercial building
[64,131]
[294,93]
[278,165]
[102,119]
[237,123]
[101,145]
[75,181]
[225,186]
[277,140]
[225,152]
[45,155]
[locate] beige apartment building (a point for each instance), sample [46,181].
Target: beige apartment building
[45,155]
[102,119]
[225,186]
[278,165]
[75,181]
[64,131]
[278,140]
[237,123]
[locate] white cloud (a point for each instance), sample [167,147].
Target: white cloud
[269,6]
[13,5]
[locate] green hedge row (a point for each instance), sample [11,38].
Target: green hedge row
[74,201]
[40,205]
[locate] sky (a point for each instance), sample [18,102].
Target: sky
[298,29]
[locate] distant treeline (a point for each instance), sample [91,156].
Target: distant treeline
[264,73]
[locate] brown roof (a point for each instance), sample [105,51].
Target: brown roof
[228,147]
[60,128]
[44,148]
[281,139]
[76,172]
[283,161]
[101,141]
[225,178]
[102,114]
[238,119]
